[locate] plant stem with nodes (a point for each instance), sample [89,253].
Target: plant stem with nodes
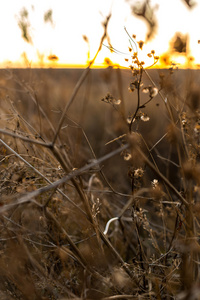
[138,100]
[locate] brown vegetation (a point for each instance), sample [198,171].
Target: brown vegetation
[99,185]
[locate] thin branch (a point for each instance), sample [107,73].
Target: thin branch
[138,100]
[79,83]
[40,174]
[23,138]
[31,195]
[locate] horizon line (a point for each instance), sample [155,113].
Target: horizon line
[97,67]
[54,65]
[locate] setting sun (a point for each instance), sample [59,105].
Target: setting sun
[67,34]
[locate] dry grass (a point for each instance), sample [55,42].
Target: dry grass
[71,166]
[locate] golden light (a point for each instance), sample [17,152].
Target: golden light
[58,31]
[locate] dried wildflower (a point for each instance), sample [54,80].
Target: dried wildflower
[107,61]
[135,72]
[135,54]
[129,49]
[184,123]
[129,120]
[110,99]
[145,118]
[138,173]
[179,43]
[131,88]
[157,191]
[96,208]
[127,155]
[117,102]
[152,90]
[137,117]
[149,55]
[145,90]
[85,38]
[153,51]
[154,183]
[134,85]
[53,57]
[126,59]
[141,44]
[133,36]
[136,176]
[138,214]
[184,120]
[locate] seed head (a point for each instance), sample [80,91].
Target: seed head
[138,173]
[145,118]
[152,90]
[141,44]
[154,183]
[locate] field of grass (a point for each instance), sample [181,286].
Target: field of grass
[99,188]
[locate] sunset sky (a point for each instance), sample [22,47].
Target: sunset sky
[62,35]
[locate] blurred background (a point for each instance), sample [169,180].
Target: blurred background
[67,33]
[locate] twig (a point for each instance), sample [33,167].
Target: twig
[138,100]
[40,174]
[79,83]
[23,138]
[116,139]
[31,195]
[163,178]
